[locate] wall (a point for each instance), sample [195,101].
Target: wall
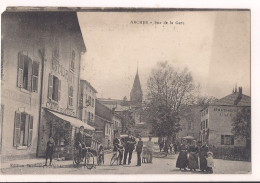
[220,123]
[16,37]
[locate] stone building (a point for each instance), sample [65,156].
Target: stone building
[190,122]
[103,125]
[216,120]
[87,102]
[63,45]
[21,66]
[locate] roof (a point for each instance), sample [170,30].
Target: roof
[234,99]
[88,84]
[36,18]
[73,121]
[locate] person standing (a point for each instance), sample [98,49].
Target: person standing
[150,150]
[182,160]
[202,156]
[193,157]
[49,150]
[175,148]
[139,149]
[210,162]
[129,147]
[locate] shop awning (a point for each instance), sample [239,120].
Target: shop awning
[73,121]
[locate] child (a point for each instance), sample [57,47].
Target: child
[210,162]
[49,150]
[101,154]
[145,155]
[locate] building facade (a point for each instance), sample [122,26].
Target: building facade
[104,125]
[21,66]
[87,102]
[59,112]
[217,119]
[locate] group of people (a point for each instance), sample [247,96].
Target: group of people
[128,144]
[195,157]
[165,145]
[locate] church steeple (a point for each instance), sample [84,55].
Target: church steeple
[136,94]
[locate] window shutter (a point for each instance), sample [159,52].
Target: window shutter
[50,88]
[17,121]
[35,76]
[30,131]
[20,70]
[59,89]
[26,129]
[222,139]
[29,84]
[232,139]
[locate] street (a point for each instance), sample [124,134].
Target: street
[159,166]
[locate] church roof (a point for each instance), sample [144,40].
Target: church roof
[137,85]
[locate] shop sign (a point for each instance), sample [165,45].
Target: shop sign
[54,106]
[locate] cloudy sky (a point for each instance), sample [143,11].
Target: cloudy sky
[214,46]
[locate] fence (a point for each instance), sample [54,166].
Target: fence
[231,153]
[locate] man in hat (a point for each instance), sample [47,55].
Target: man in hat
[129,147]
[139,149]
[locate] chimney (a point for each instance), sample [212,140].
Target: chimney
[240,91]
[239,97]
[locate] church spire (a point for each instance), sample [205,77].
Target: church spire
[136,94]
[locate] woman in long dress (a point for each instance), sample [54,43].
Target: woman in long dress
[193,157]
[202,155]
[182,161]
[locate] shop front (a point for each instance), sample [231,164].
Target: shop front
[63,129]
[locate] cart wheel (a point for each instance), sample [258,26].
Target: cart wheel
[113,160]
[89,160]
[76,159]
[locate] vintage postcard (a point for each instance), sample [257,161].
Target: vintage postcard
[125,91]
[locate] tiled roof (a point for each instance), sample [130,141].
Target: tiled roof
[234,100]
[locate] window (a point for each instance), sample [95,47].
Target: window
[86,116]
[92,102]
[70,96]
[206,123]
[89,117]
[89,100]
[35,76]
[27,74]
[72,62]
[23,129]
[227,139]
[54,88]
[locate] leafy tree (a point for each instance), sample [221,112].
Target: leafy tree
[242,126]
[168,90]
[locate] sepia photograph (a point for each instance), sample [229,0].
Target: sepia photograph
[125,91]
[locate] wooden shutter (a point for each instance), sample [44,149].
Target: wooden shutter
[50,88]
[26,129]
[222,139]
[30,131]
[29,84]
[232,139]
[59,89]
[35,76]
[20,70]
[17,121]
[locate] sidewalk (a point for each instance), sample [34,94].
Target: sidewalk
[37,162]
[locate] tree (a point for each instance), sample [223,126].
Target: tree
[242,126]
[168,90]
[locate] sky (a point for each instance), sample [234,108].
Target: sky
[213,45]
